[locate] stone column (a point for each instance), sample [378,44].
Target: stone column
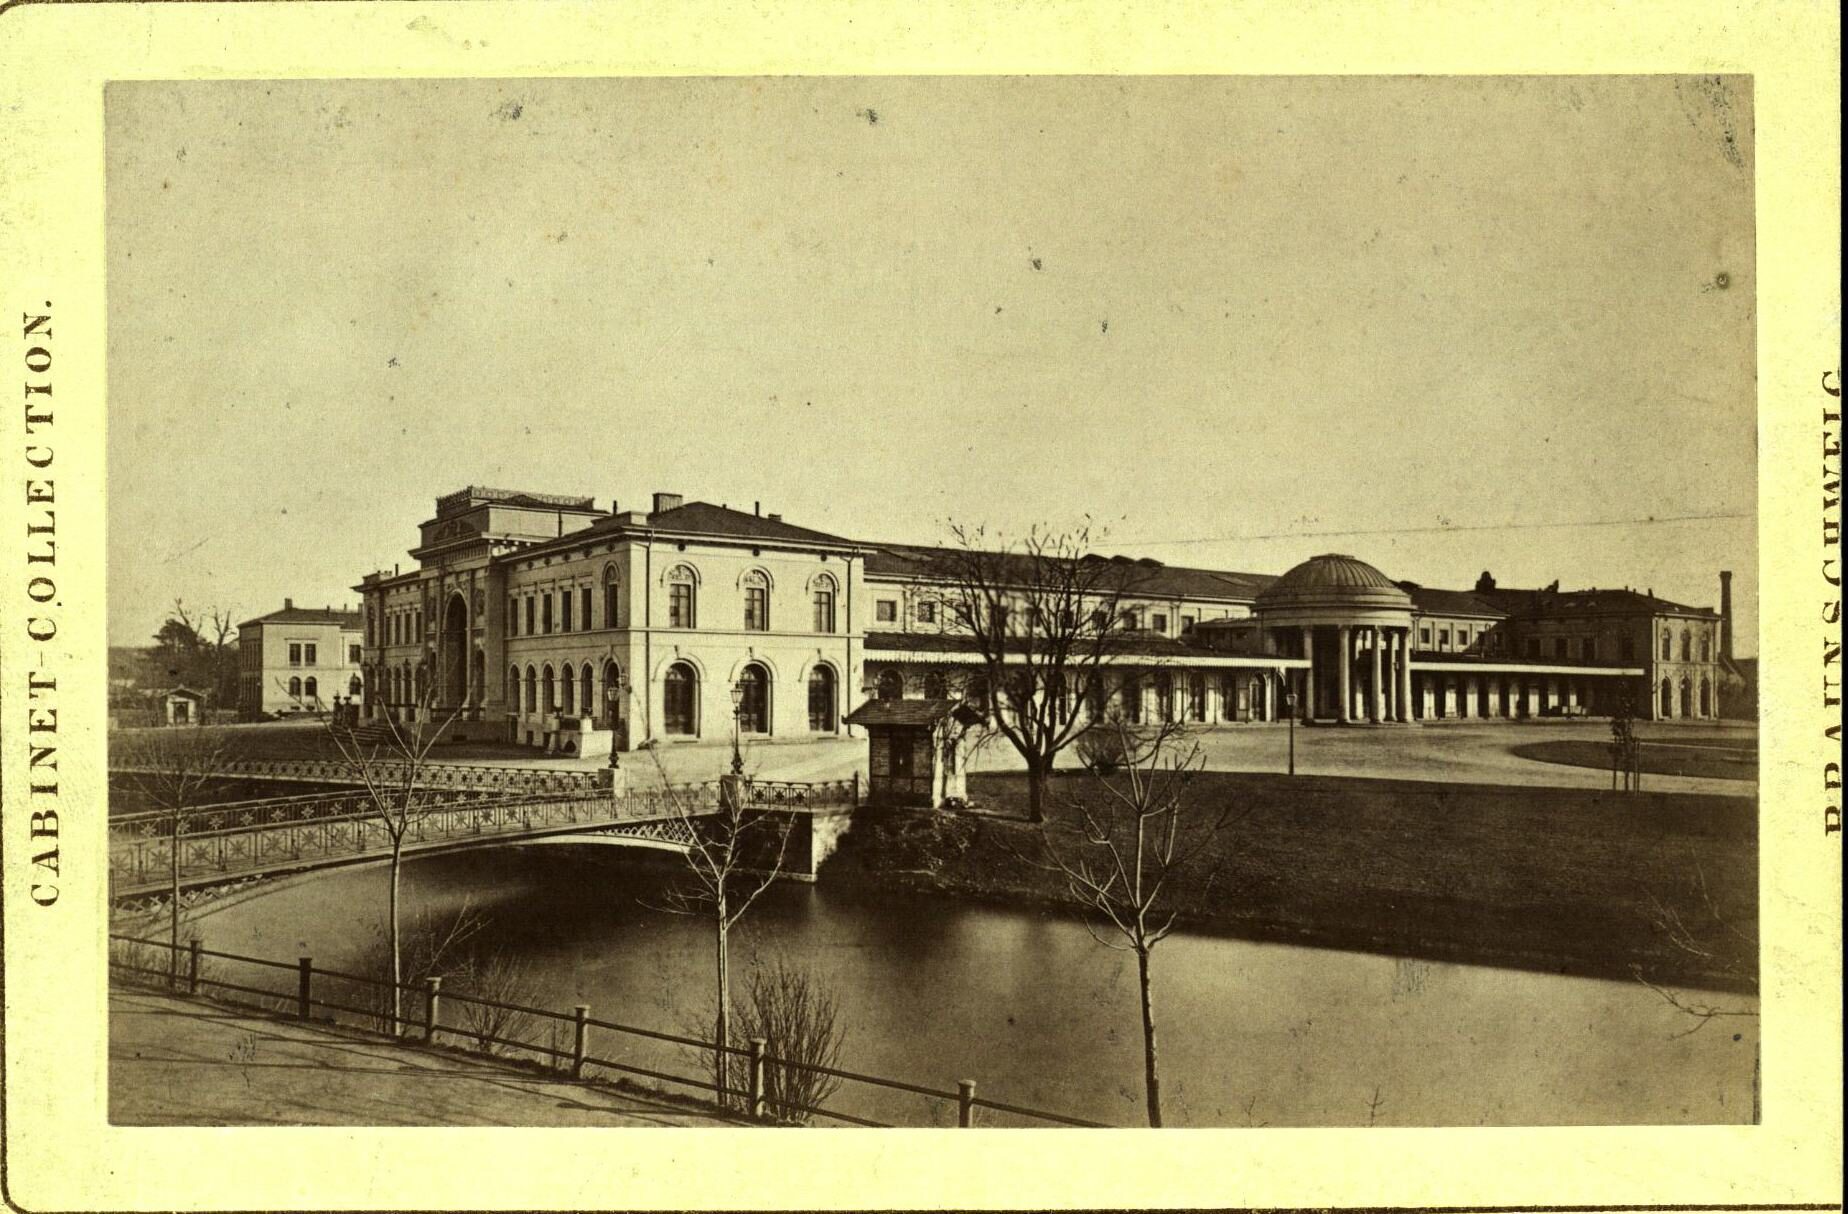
[1308,705]
[1377,692]
[1344,673]
[1402,684]
[1270,697]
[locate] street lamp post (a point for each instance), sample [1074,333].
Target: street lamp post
[612,707]
[737,698]
[1289,712]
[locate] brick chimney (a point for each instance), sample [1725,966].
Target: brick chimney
[1726,614]
[667,501]
[288,604]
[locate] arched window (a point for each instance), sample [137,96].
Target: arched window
[1706,698]
[611,587]
[936,687]
[570,690]
[754,706]
[513,688]
[610,705]
[680,700]
[756,601]
[588,704]
[353,686]
[821,699]
[295,687]
[548,691]
[1706,647]
[891,684]
[1687,698]
[824,603]
[532,690]
[1668,699]
[1196,695]
[1687,646]
[311,689]
[1668,645]
[682,598]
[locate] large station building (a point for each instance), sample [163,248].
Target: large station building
[548,620]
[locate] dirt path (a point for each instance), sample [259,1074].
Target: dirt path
[176,1061]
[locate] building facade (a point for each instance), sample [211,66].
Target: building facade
[297,660]
[547,620]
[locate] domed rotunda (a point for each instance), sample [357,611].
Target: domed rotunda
[1352,625]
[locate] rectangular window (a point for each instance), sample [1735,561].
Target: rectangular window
[564,611]
[824,611]
[1443,638]
[1132,620]
[295,653]
[584,608]
[352,655]
[1187,624]
[1424,638]
[757,610]
[927,612]
[1559,647]
[680,605]
[530,610]
[308,656]
[1462,638]
[885,611]
[513,615]
[1159,623]
[545,613]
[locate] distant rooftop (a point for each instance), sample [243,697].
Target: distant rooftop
[477,495]
[291,614]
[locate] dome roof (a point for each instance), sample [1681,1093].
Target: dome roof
[1333,579]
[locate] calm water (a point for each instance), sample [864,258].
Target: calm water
[1040,1014]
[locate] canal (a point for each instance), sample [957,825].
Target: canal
[933,991]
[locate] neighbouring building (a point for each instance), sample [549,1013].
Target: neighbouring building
[297,660]
[545,619]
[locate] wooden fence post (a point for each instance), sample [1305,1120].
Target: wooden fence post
[965,1104]
[580,1039]
[433,995]
[192,967]
[304,979]
[758,1046]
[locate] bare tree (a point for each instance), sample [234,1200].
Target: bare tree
[174,770]
[1141,848]
[390,763]
[1696,927]
[1045,615]
[199,650]
[733,855]
[796,1015]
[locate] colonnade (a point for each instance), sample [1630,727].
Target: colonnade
[1389,687]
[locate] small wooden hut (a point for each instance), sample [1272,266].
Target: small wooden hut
[915,750]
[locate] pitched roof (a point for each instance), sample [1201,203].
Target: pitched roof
[704,518]
[1606,602]
[1426,601]
[308,615]
[907,712]
[955,644]
[1144,577]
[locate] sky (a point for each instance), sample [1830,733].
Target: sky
[1446,325]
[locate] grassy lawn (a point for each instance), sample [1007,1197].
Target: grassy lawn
[1562,879]
[1716,760]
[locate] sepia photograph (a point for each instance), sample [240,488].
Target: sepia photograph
[945,601]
